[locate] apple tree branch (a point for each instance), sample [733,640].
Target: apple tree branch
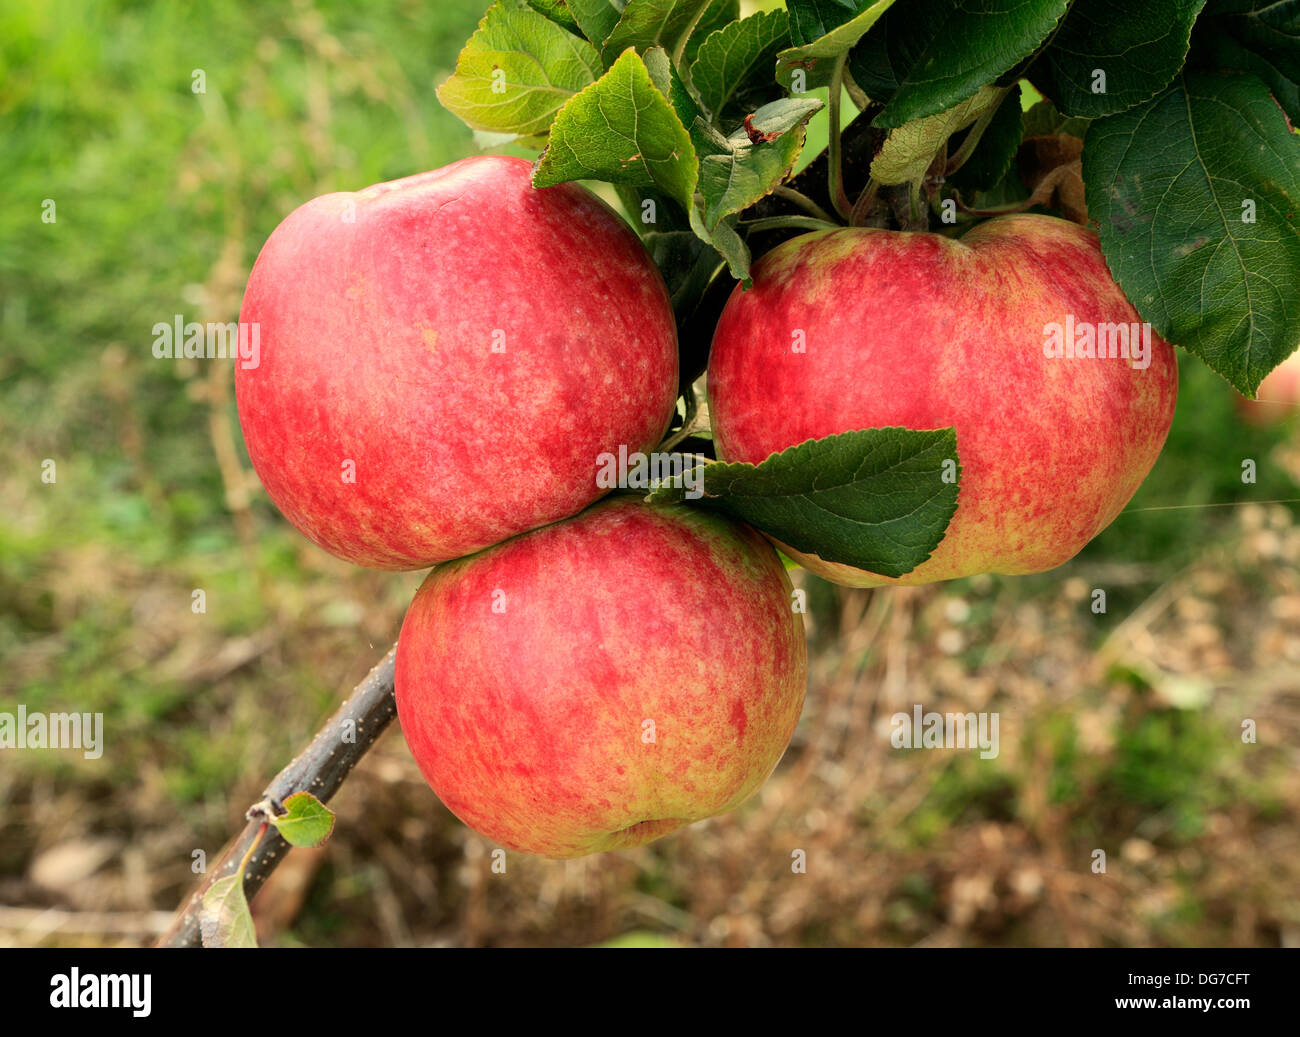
[319,769]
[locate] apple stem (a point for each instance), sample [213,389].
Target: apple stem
[836,169]
[692,421]
[257,841]
[781,222]
[863,205]
[860,100]
[804,202]
[996,210]
[917,210]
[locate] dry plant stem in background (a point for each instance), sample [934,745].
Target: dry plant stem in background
[318,769]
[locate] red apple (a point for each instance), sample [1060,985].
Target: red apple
[595,684]
[860,328]
[444,357]
[1277,397]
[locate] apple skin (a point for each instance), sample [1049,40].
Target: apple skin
[377,343]
[923,331]
[1276,398]
[528,723]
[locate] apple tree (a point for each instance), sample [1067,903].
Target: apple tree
[991,171]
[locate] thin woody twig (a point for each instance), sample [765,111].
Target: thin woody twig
[318,769]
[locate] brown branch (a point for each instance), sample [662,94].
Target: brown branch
[318,769]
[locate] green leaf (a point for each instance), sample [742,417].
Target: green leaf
[687,263]
[748,171]
[716,16]
[1138,47]
[736,62]
[641,939]
[875,499]
[1259,36]
[908,150]
[664,215]
[812,20]
[1172,183]
[927,56]
[1043,120]
[708,139]
[224,918]
[996,150]
[516,71]
[664,76]
[730,245]
[557,11]
[1010,190]
[779,117]
[621,129]
[308,822]
[815,55]
[486,140]
[664,23]
[596,18]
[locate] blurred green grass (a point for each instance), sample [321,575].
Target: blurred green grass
[153,185]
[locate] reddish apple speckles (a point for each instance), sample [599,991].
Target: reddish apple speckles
[379,314]
[926,332]
[530,722]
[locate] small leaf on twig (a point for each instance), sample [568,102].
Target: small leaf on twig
[308,822]
[225,920]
